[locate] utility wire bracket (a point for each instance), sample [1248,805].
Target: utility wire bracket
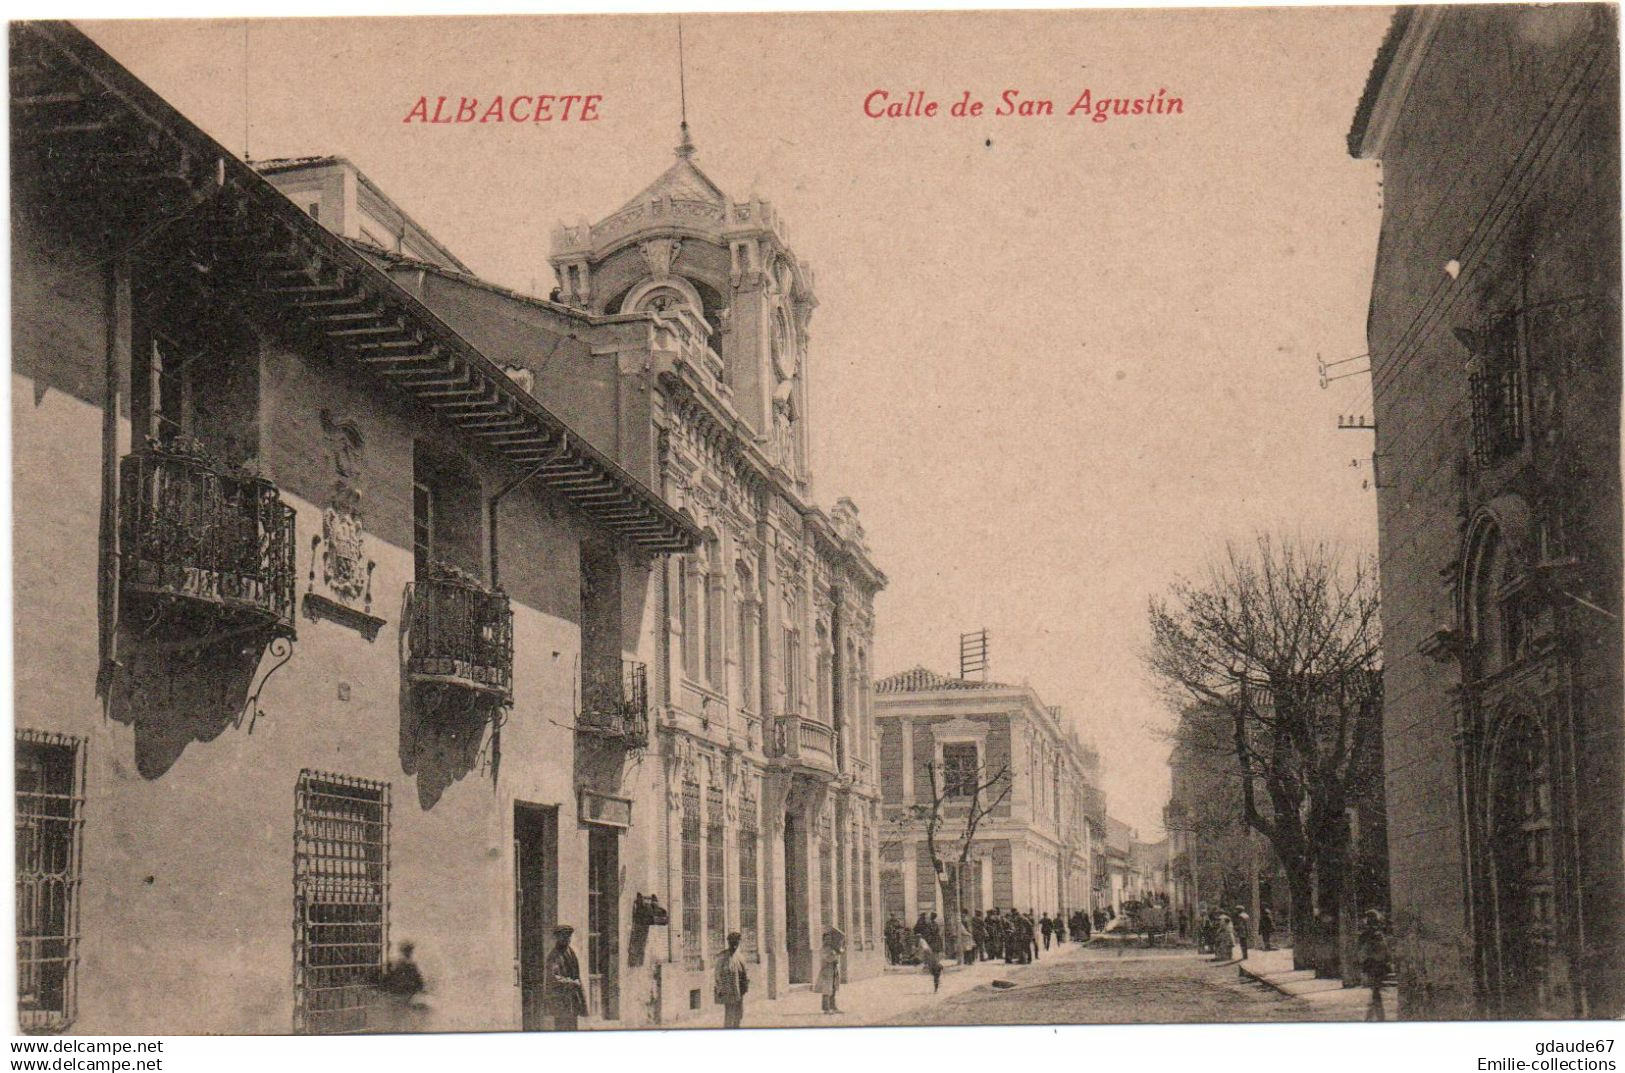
[1329,370]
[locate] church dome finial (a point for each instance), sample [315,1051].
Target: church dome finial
[685,144]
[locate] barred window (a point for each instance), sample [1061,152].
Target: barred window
[747,880]
[716,876]
[826,871]
[868,886]
[1495,379]
[341,900]
[860,934]
[692,956]
[50,803]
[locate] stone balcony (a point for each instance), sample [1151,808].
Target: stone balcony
[680,336]
[797,742]
[663,214]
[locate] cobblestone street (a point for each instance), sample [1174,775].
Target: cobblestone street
[1134,988]
[1074,986]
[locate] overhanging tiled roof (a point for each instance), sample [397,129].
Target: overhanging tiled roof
[1379,72]
[923,680]
[88,125]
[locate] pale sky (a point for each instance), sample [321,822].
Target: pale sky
[1055,362]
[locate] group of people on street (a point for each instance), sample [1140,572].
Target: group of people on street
[1223,930]
[1009,934]
[1153,919]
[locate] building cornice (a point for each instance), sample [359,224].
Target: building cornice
[1398,61]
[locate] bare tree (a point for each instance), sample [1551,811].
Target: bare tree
[1205,804]
[958,801]
[1275,655]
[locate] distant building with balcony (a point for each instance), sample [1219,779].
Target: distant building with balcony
[313,536]
[942,739]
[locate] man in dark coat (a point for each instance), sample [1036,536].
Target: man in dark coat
[1006,943]
[1047,927]
[731,983]
[1374,957]
[1243,929]
[563,996]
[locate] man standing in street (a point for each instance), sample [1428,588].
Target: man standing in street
[829,970]
[969,938]
[1373,955]
[978,938]
[731,983]
[1243,930]
[1047,926]
[566,1001]
[1266,927]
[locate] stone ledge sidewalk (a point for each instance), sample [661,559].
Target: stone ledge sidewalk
[878,1000]
[1273,969]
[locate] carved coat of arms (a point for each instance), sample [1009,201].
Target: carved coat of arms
[345,569]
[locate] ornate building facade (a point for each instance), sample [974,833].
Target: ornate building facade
[1035,849]
[1494,333]
[677,341]
[764,675]
[517,612]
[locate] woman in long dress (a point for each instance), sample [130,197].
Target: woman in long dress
[1224,943]
[829,968]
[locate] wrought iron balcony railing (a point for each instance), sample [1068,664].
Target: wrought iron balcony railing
[211,548]
[617,706]
[461,634]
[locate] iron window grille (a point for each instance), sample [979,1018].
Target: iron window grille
[748,880]
[868,887]
[1496,381]
[716,875]
[50,810]
[341,900]
[693,957]
[190,530]
[826,870]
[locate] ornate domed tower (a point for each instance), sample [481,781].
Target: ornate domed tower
[722,277]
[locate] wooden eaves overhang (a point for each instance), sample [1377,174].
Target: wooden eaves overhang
[86,122]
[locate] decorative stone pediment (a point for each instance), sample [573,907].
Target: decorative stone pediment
[660,254]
